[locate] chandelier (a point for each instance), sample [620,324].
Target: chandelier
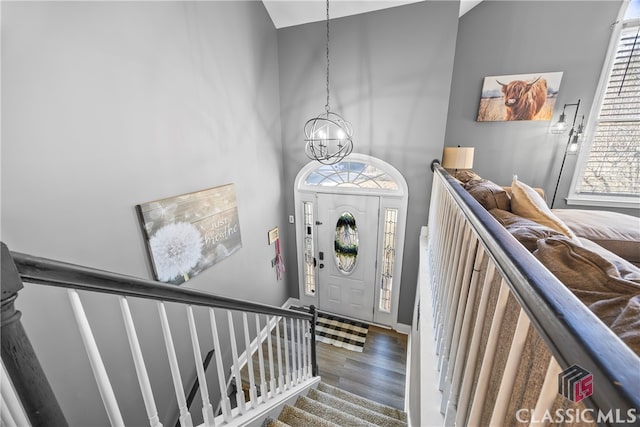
[328,136]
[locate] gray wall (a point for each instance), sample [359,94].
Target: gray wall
[390,77]
[107,105]
[518,37]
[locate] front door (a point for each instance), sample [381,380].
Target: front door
[347,231]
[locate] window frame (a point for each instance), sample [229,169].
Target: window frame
[602,200]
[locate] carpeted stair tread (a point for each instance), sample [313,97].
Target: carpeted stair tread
[355,409]
[330,414]
[296,417]
[359,400]
[274,423]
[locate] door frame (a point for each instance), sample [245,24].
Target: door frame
[390,198]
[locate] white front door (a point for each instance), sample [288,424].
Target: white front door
[347,237]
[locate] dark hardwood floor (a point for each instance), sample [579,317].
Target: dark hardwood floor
[378,373]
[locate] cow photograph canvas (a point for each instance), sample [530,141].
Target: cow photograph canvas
[519,97]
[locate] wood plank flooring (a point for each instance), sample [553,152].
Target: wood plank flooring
[378,373]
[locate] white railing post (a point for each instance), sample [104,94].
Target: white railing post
[305,365]
[299,348]
[272,377]
[287,373]
[185,415]
[12,413]
[252,381]
[236,365]
[225,404]
[294,369]
[264,394]
[97,366]
[207,409]
[138,361]
[279,351]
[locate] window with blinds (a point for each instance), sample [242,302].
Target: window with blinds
[612,166]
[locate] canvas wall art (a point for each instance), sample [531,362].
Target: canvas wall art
[519,97]
[189,233]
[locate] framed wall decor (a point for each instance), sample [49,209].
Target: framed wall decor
[189,233]
[519,97]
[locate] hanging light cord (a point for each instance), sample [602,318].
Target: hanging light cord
[327,105]
[626,70]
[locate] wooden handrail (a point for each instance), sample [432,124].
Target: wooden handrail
[572,332]
[45,271]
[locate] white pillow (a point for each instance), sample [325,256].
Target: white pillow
[527,203]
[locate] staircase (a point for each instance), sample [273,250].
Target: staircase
[328,406]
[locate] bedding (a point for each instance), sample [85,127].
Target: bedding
[594,253]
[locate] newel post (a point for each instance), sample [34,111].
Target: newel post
[18,356]
[314,358]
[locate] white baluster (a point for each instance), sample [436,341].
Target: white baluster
[279,352]
[236,363]
[226,403]
[272,379]
[299,348]
[249,353]
[286,355]
[264,393]
[207,409]
[138,361]
[294,370]
[97,366]
[303,333]
[11,412]
[185,416]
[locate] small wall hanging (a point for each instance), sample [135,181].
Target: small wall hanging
[189,233]
[277,262]
[519,97]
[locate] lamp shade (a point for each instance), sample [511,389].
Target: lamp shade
[457,158]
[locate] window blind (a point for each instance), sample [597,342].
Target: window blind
[613,164]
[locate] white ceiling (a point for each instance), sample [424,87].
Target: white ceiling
[287,13]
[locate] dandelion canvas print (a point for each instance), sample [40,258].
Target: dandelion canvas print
[189,233]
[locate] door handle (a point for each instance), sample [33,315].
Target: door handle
[321,265]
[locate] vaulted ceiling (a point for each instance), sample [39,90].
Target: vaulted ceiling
[287,13]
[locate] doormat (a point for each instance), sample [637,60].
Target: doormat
[340,332]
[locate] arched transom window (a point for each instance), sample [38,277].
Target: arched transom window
[355,174]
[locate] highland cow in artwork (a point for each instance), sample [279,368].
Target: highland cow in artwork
[523,100]
[519,97]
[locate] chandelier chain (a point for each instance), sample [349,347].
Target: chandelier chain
[327,107]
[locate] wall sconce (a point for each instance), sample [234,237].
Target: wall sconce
[573,141]
[457,158]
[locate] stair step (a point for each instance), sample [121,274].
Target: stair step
[274,423]
[355,409]
[296,417]
[359,400]
[330,414]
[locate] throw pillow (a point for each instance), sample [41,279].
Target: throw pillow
[526,202]
[488,194]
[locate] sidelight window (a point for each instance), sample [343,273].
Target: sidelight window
[388,257]
[309,255]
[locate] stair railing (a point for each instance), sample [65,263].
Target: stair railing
[37,397]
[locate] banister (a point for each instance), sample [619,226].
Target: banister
[45,271]
[19,358]
[572,332]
